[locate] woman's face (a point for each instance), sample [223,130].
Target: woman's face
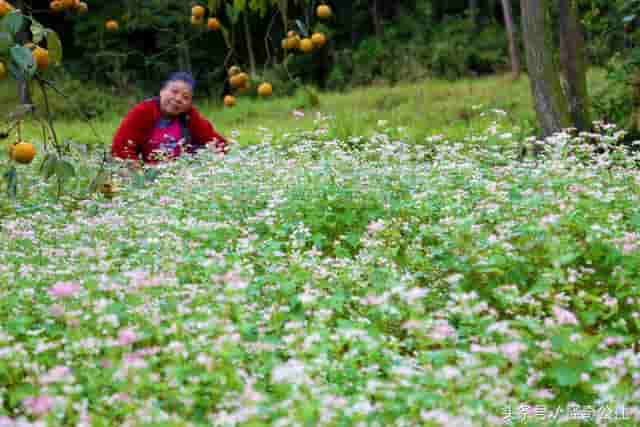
[175,98]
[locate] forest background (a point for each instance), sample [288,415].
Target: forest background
[370,43]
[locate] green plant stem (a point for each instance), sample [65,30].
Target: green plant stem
[304,87]
[82,114]
[49,120]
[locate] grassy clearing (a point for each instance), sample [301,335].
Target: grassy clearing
[426,108]
[423,109]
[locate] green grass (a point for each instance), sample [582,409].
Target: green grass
[425,108]
[430,107]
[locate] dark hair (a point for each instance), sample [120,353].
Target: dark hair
[181,76]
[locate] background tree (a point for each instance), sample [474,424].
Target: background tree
[557,106]
[24,93]
[573,63]
[514,52]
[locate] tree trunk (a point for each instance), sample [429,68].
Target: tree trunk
[473,13]
[573,64]
[550,103]
[374,11]
[24,93]
[355,34]
[283,6]
[514,53]
[247,35]
[634,122]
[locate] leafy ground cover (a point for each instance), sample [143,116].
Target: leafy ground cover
[308,280]
[370,262]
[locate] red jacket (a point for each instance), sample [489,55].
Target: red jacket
[137,126]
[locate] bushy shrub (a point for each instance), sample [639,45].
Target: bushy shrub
[457,48]
[72,99]
[399,54]
[411,49]
[613,100]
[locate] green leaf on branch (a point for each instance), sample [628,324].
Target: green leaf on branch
[37,32]
[233,13]
[48,166]
[139,180]
[225,34]
[11,176]
[240,5]
[6,41]
[150,175]
[23,59]
[12,23]
[54,45]
[214,5]
[303,28]
[64,170]
[566,374]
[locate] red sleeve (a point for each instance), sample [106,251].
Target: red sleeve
[203,132]
[132,133]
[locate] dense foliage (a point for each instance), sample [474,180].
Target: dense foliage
[302,282]
[412,38]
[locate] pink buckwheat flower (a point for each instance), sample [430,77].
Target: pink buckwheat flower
[40,405]
[57,374]
[375,226]
[57,310]
[64,289]
[564,317]
[126,337]
[513,350]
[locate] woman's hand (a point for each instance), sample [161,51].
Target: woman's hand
[218,147]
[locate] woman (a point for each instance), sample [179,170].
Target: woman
[167,126]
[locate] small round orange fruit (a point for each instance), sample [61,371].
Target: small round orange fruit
[323,11]
[68,4]
[213,24]
[112,25]
[5,7]
[229,100]
[195,20]
[244,87]
[22,152]
[292,33]
[306,45]
[293,42]
[41,58]
[318,39]
[197,11]
[265,89]
[239,80]
[56,6]
[108,190]
[233,70]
